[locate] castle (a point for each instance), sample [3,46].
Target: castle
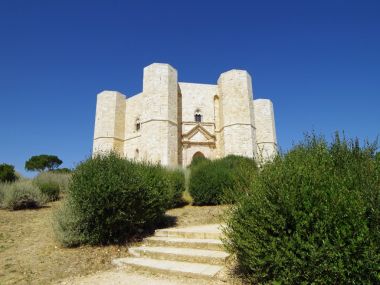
[172,122]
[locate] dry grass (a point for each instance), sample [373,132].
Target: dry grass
[197,215]
[29,254]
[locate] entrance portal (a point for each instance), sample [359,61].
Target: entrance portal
[198,154]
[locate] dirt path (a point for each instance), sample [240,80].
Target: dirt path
[124,276]
[29,253]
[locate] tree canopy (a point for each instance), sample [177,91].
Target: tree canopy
[42,162]
[7,173]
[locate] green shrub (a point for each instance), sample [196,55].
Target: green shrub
[312,217]
[222,180]
[177,188]
[68,226]
[197,160]
[243,172]
[52,184]
[7,173]
[64,170]
[208,180]
[111,199]
[48,186]
[21,195]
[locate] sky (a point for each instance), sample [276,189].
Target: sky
[318,61]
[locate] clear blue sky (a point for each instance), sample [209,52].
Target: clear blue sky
[318,61]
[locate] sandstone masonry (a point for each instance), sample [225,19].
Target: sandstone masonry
[172,122]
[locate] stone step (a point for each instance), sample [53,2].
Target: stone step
[188,269]
[196,232]
[211,244]
[181,254]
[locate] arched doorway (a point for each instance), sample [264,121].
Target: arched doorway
[198,154]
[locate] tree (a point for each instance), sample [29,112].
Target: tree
[42,162]
[7,173]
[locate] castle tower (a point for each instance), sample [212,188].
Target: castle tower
[237,122]
[109,122]
[265,129]
[159,130]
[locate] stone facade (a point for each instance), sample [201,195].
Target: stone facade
[170,122]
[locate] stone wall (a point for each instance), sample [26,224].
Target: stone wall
[265,129]
[197,97]
[238,132]
[232,122]
[109,122]
[133,113]
[159,119]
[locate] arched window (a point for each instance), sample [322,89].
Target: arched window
[198,116]
[138,124]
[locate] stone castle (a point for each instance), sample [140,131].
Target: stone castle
[172,122]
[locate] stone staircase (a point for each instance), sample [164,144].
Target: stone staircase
[192,251]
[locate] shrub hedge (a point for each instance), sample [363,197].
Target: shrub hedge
[22,194]
[177,187]
[47,185]
[312,217]
[220,181]
[111,199]
[52,184]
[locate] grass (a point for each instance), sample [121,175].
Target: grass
[29,254]
[197,215]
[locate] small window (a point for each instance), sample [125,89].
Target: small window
[137,154]
[138,125]
[198,116]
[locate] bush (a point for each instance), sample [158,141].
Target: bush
[61,170]
[52,184]
[243,172]
[208,180]
[67,224]
[177,188]
[7,173]
[312,217]
[197,160]
[48,185]
[20,195]
[111,199]
[222,180]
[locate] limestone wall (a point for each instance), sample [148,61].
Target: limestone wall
[159,114]
[232,122]
[238,132]
[265,129]
[197,97]
[133,112]
[109,122]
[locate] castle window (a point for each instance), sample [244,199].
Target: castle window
[138,124]
[198,116]
[137,153]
